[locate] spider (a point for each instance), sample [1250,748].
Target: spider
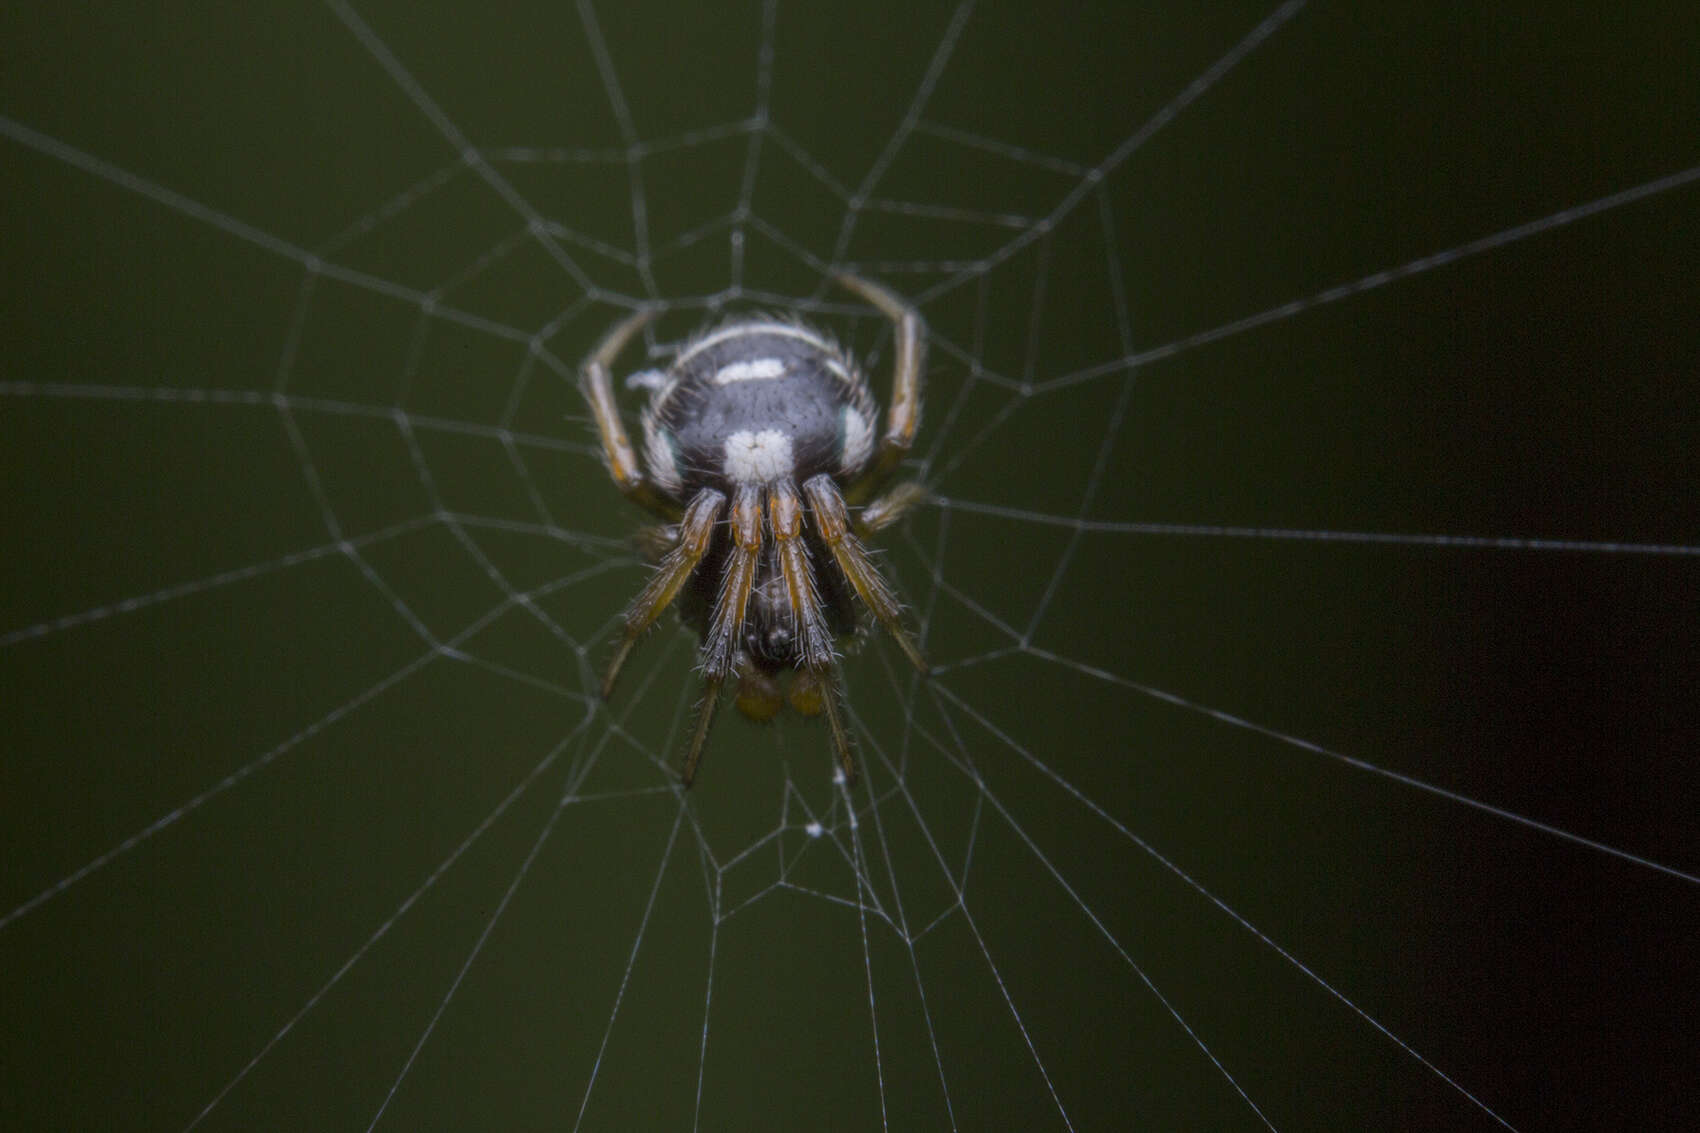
[748,412]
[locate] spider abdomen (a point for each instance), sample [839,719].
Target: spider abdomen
[755,403]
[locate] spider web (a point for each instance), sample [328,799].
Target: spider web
[1310,573]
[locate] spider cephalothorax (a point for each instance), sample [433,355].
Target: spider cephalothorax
[757,439]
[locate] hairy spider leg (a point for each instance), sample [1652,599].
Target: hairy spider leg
[597,383]
[903,417]
[903,414]
[718,645]
[691,543]
[654,541]
[808,620]
[889,508]
[832,518]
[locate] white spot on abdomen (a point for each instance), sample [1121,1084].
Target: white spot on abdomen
[758,458]
[752,370]
[659,454]
[858,442]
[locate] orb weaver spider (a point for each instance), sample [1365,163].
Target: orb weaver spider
[745,414]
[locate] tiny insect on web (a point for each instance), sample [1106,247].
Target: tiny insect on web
[747,412]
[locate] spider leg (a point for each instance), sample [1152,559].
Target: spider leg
[891,507]
[706,705]
[833,519]
[663,585]
[597,385]
[813,637]
[653,542]
[719,645]
[903,416]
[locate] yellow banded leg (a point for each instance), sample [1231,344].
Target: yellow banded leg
[596,382]
[833,520]
[890,508]
[691,543]
[719,645]
[808,621]
[903,415]
[706,705]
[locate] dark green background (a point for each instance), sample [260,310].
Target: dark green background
[1544,389]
